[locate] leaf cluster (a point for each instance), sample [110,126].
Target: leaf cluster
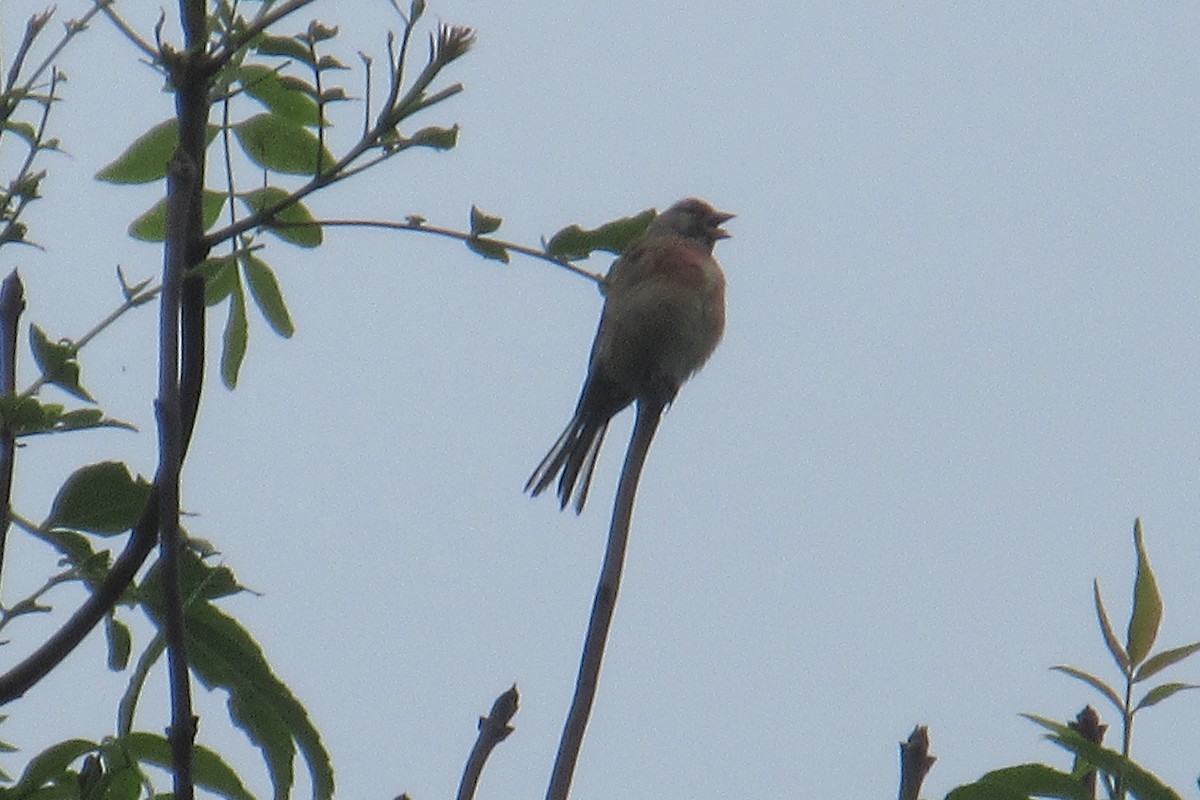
[1119,775]
[275,93]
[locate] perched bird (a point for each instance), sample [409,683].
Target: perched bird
[664,312]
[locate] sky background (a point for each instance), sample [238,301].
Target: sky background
[960,360]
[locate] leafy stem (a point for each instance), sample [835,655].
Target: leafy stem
[418,224]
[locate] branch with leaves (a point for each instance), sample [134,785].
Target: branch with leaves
[1083,738]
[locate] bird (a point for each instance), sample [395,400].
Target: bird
[663,316]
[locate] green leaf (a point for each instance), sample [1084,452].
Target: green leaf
[198,580]
[152,225]
[294,84]
[220,277]
[75,547]
[26,416]
[211,771]
[24,131]
[100,498]
[124,784]
[57,362]
[330,62]
[1141,783]
[435,137]
[1147,604]
[1162,692]
[1094,682]
[1165,659]
[295,223]
[237,334]
[21,414]
[92,780]
[280,145]
[286,46]
[269,734]
[264,288]
[574,243]
[1110,636]
[87,419]
[146,159]
[224,655]
[482,223]
[1022,782]
[127,707]
[489,249]
[320,32]
[120,642]
[284,99]
[333,94]
[50,765]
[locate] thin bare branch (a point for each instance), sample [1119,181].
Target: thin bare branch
[649,412]
[73,28]
[493,729]
[33,28]
[149,50]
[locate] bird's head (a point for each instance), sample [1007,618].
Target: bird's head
[693,219]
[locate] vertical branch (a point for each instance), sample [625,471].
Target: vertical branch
[12,303]
[181,176]
[191,77]
[649,411]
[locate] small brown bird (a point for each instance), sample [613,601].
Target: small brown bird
[664,312]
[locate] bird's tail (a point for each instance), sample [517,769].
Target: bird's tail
[573,455]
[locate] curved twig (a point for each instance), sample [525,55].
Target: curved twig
[418,224]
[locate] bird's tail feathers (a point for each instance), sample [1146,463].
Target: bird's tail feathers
[582,458]
[573,453]
[544,472]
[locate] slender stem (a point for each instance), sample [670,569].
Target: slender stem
[1126,729]
[148,49]
[12,303]
[133,301]
[649,413]
[450,233]
[29,605]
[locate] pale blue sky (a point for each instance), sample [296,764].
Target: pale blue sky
[960,359]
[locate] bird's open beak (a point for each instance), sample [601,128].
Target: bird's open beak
[721,217]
